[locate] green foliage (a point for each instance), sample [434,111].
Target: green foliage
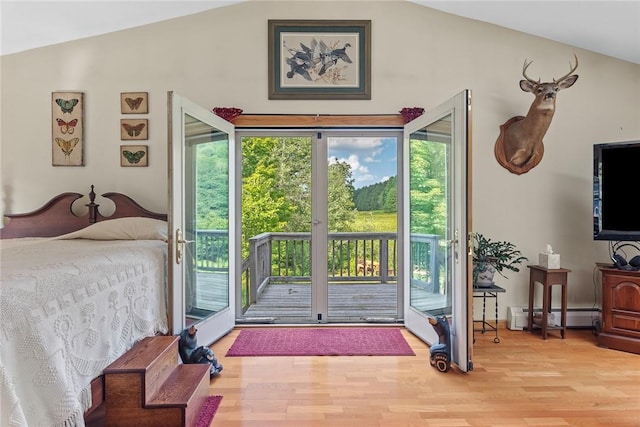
[212,193]
[375,221]
[427,187]
[276,188]
[500,254]
[340,203]
[378,196]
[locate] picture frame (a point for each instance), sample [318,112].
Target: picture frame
[67,128]
[319,59]
[134,129]
[134,103]
[134,155]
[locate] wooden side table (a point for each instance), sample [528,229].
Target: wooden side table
[548,278]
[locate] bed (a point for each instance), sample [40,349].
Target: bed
[76,292]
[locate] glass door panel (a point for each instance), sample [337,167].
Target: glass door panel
[429,182]
[436,223]
[361,205]
[276,228]
[206,219]
[201,220]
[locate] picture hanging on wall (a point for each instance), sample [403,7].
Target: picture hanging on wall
[134,103]
[319,59]
[134,155]
[67,128]
[134,129]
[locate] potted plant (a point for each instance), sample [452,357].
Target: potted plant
[490,256]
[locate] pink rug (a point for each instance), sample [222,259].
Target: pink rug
[324,341]
[208,411]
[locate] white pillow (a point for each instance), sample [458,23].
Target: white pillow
[131,228]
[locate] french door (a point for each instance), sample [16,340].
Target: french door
[436,224]
[202,267]
[314,252]
[433,204]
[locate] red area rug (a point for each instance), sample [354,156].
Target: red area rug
[324,341]
[208,411]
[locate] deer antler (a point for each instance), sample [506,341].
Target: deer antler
[524,71]
[570,72]
[519,146]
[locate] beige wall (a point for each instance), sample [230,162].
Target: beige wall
[420,57]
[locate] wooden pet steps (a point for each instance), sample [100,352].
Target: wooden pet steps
[148,387]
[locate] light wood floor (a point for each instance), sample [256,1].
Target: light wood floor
[522,381]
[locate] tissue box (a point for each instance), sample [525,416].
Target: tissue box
[550,261]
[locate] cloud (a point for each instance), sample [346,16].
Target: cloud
[371,160]
[355,144]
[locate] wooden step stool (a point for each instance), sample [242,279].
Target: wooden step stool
[147,386]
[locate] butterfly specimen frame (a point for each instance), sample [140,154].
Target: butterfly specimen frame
[136,129]
[134,103]
[67,128]
[134,155]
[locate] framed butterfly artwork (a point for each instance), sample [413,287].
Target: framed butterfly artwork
[134,155]
[134,102]
[137,129]
[67,128]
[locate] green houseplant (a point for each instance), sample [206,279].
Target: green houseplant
[493,256]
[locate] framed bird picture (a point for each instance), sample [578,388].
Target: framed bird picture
[67,128]
[134,102]
[319,59]
[137,129]
[134,155]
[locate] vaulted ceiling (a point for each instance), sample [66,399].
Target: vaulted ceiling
[608,27]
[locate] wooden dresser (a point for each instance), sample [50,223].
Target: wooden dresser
[620,309]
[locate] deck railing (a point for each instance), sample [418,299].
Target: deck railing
[212,248]
[352,257]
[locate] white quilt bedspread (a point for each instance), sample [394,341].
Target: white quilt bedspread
[69,308]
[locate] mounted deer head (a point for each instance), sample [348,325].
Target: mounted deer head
[519,147]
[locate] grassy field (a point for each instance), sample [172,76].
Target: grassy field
[376,221]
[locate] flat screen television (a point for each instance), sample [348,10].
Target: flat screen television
[616,176]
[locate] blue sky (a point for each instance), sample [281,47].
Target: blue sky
[372,159]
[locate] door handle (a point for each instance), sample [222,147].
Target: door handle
[454,244]
[179,245]
[453,241]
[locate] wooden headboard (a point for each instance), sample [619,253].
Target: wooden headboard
[56,217]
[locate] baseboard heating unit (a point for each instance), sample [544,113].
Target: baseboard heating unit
[576,317]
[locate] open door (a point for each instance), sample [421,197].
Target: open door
[436,224]
[201,220]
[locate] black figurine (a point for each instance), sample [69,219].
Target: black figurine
[441,352]
[191,353]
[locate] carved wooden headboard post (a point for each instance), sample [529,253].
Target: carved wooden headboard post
[93,207]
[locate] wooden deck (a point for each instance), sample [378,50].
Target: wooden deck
[351,302]
[347,302]
[291,302]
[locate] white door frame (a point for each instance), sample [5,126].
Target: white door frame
[219,324]
[461,319]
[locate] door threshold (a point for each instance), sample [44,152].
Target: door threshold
[256,320]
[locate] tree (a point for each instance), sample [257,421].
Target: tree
[340,198]
[381,196]
[212,193]
[428,181]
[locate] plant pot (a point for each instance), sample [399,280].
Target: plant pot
[483,273]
